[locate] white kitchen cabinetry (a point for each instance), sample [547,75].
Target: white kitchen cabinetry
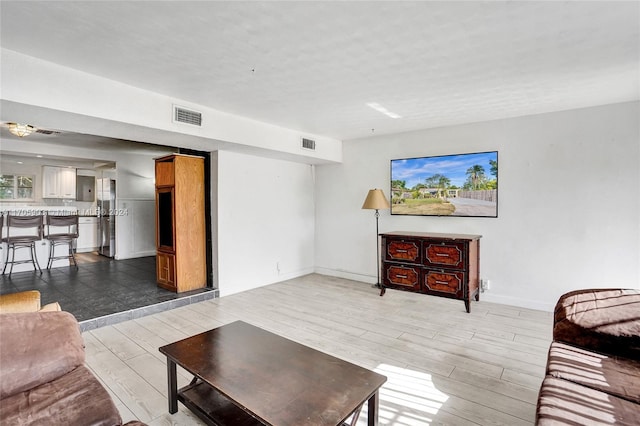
[87,234]
[68,183]
[50,182]
[58,182]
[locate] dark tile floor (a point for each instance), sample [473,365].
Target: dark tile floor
[100,286]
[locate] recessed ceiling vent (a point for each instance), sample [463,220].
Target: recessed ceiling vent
[47,132]
[183,115]
[308,144]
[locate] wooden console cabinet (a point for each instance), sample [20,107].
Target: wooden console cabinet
[445,265]
[180,223]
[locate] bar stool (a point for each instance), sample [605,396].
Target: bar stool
[22,232]
[65,233]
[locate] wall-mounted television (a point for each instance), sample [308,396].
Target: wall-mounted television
[446,185]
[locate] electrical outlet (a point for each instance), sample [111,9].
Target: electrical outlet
[485,285]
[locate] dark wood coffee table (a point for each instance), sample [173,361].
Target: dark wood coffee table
[244,375]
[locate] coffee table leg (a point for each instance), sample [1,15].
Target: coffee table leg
[372,410]
[173,386]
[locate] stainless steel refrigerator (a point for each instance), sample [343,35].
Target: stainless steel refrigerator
[106,192]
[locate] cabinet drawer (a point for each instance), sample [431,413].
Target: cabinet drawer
[401,276]
[441,254]
[443,283]
[402,250]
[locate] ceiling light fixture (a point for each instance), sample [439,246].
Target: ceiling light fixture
[383,110]
[21,130]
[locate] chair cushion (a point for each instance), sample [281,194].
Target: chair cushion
[37,347]
[23,239]
[603,320]
[566,403]
[616,376]
[62,237]
[76,398]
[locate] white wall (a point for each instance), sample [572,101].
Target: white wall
[569,213]
[33,167]
[136,206]
[265,221]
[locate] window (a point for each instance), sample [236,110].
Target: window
[16,187]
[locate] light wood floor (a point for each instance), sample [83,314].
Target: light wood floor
[444,366]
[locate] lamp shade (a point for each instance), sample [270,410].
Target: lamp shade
[376,200]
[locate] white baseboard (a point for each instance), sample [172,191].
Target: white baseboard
[485,297]
[86,249]
[136,255]
[346,275]
[517,301]
[295,274]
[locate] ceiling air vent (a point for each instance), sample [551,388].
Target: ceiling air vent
[47,132]
[308,144]
[183,115]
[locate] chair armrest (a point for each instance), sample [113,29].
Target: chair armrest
[24,301]
[602,320]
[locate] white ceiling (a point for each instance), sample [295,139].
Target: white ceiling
[313,66]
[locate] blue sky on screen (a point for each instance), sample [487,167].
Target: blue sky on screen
[416,170]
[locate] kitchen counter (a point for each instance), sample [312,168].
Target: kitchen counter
[30,210]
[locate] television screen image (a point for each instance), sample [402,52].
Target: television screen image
[446,185]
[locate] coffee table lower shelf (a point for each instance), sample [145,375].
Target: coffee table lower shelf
[212,407]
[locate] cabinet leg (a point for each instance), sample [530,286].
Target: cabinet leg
[467,304]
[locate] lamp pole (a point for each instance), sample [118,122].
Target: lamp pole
[379,284]
[375,201]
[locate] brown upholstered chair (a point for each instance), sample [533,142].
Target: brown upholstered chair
[593,367]
[43,376]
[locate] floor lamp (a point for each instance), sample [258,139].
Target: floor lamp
[377,201]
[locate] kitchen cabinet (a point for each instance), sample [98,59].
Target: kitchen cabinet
[87,234]
[50,182]
[58,182]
